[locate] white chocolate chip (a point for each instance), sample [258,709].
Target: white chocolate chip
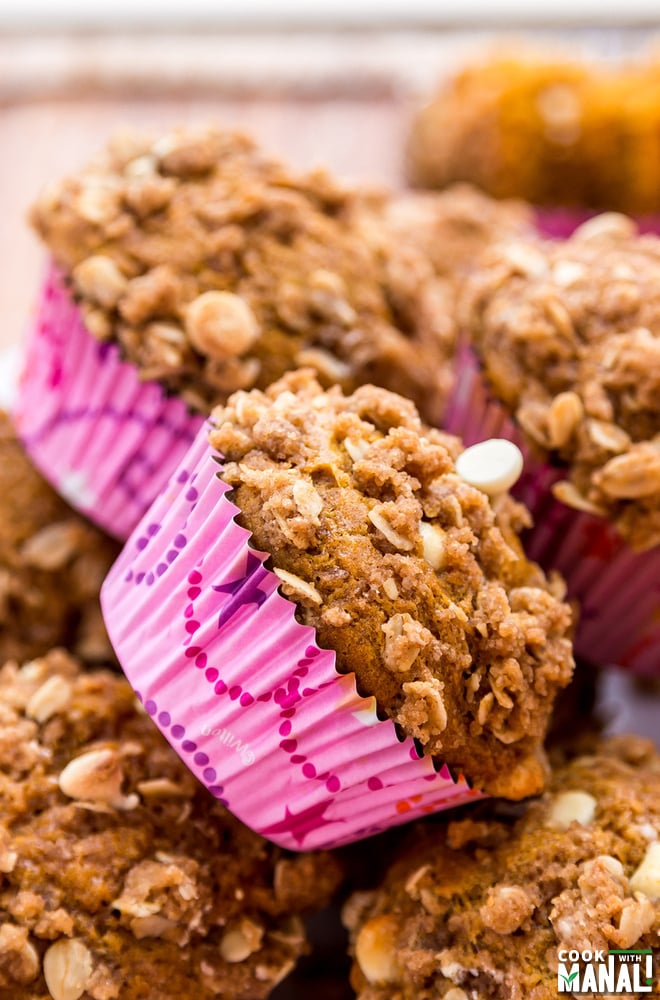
[572,807]
[96,776]
[298,587]
[433,544]
[455,993]
[374,949]
[53,695]
[646,878]
[67,969]
[492,466]
[221,324]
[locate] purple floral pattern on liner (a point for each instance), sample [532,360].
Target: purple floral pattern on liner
[105,440]
[242,690]
[618,590]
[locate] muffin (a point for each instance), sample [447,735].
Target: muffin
[413,641]
[489,905]
[554,131]
[122,877]
[52,564]
[568,339]
[192,267]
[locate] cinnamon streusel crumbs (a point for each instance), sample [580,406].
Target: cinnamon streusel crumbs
[52,565]
[412,576]
[217,269]
[122,878]
[478,908]
[569,336]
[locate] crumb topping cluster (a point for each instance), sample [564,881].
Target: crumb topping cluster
[569,336]
[481,906]
[120,876]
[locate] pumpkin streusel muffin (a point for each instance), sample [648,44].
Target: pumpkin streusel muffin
[217,268]
[195,265]
[122,878]
[52,564]
[418,581]
[485,906]
[567,336]
[409,600]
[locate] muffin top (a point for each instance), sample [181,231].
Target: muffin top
[569,337]
[452,227]
[122,877]
[52,565]
[216,268]
[414,577]
[480,907]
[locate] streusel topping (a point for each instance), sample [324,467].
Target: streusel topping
[569,336]
[216,269]
[122,878]
[478,908]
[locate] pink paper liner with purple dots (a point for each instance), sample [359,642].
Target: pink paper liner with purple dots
[242,691]
[618,590]
[560,223]
[106,441]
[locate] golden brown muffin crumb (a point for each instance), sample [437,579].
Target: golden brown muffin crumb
[122,878]
[479,908]
[409,573]
[52,565]
[569,335]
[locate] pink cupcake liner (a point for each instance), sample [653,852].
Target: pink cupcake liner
[560,223]
[253,705]
[618,590]
[106,441]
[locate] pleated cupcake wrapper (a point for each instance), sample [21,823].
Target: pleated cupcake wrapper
[560,223]
[618,590]
[255,708]
[105,440]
